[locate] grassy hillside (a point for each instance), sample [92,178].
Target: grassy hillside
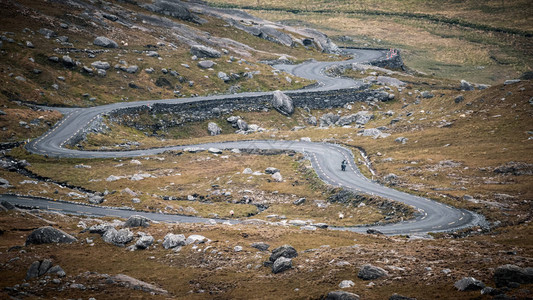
[482,42]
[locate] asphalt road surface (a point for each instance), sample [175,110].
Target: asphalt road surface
[431,216]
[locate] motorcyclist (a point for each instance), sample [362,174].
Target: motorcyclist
[343,165]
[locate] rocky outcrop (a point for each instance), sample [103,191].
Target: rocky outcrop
[48,235]
[136,284]
[118,237]
[171,8]
[173,240]
[281,264]
[213,128]
[286,251]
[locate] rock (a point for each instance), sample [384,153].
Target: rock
[68,61]
[469,284]
[201,51]
[174,9]
[277,177]
[466,86]
[173,240]
[312,121]
[163,82]
[369,272]
[195,239]
[286,251]
[299,201]
[282,103]
[260,246]
[103,65]
[503,275]
[341,295]
[6,204]
[346,284]
[77,286]
[271,170]
[214,150]
[213,128]
[402,140]
[118,237]
[427,94]
[144,242]
[100,228]
[281,264]
[137,221]
[132,69]
[360,118]
[373,231]
[511,81]
[57,270]
[33,270]
[152,54]
[515,168]
[373,132]
[391,178]
[5,183]
[328,119]
[223,76]
[102,41]
[237,248]
[135,284]
[45,266]
[96,199]
[29,44]
[48,235]
[242,125]
[47,33]
[247,171]
[206,64]
[113,178]
[459,99]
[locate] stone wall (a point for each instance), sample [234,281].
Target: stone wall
[179,114]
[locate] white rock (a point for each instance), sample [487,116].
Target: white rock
[346,284]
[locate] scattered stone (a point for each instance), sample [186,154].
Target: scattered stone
[223,76]
[503,275]
[33,270]
[299,201]
[281,264]
[118,237]
[511,81]
[459,99]
[132,69]
[282,103]
[329,119]
[469,284]
[242,125]
[96,199]
[113,178]
[286,251]
[271,170]
[137,221]
[369,272]
[466,86]
[346,284]
[213,128]
[206,64]
[101,65]
[201,51]
[20,78]
[214,150]
[102,41]
[341,295]
[260,246]
[373,231]
[152,54]
[277,177]
[144,242]
[136,284]
[57,270]
[173,240]
[427,94]
[399,297]
[195,239]
[401,140]
[68,61]
[237,248]
[515,168]
[391,178]
[29,44]
[48,235]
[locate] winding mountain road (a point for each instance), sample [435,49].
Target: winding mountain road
[431,216]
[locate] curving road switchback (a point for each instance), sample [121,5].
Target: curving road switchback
[431,216]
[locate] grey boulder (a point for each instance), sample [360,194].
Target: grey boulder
[118,237]
[203,51]
[341,295]
[47,235]
[173,240]
[102,41]
[260,246]
[213,128]
[282,103]
[137,221]
[144,242]
[286,251]
[101,65]
[281,264]
[206,64]
[506,274]
[469,284]
[369,272]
